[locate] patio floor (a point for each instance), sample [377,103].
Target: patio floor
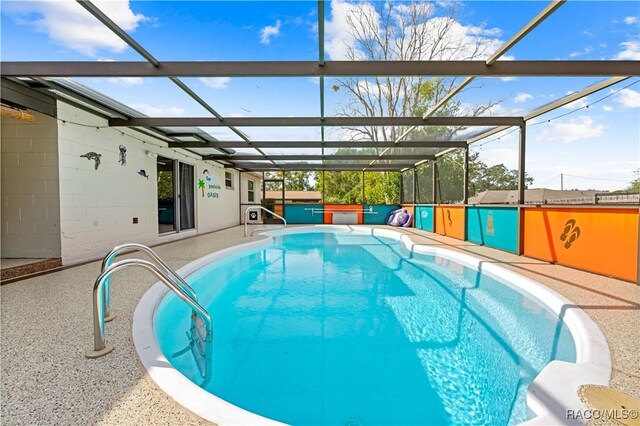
[46,327]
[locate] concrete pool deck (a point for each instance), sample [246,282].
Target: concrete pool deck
[46,327]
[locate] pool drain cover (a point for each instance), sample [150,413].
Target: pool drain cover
[619,406]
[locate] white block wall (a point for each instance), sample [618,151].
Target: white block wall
[30,194]
[97,207]
[257,188]
[223,211]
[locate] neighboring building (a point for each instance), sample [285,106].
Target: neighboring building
[295,196]
[73,187]
[549,196]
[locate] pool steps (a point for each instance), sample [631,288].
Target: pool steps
[200,332]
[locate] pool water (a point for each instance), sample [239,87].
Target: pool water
[353,329]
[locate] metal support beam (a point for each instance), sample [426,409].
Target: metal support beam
[321,63]
[547,68]
[298,167]
[302,157]
[321,32]
[548,108]
[363,199]
[537,20]
[107,22]
[415,187]
[313,121]
[521,163]
[323,182]
[501,51]
[465,194]
[319,144]
[434,185]
[195,97]
[111,25]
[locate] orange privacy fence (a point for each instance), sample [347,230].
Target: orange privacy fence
[450,221]
[604,241]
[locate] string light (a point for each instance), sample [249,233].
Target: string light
[122,134]
[549,120]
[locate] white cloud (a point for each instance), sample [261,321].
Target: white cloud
[159,110]
[631,51]
[216,82]
[492,156]
[494,110]
[607,108]
[126,81]
[579,128]
[631,20]
[270,31]
[459,42]
[582,52]
[628,98]
[522,97]
[69,24]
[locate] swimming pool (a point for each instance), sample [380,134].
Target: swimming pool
[349,325]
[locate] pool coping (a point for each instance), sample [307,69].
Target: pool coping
[550,397]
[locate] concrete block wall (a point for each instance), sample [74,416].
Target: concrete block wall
[97,207]
[30,188]
[219,207]
[244,191]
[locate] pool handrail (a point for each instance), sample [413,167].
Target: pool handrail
[258,208]
[117,250]
[100,346]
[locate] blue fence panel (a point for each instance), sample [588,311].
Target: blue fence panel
[304,213]
[376,214]
[424,218]
[494,227]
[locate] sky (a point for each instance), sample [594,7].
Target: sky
[594,148]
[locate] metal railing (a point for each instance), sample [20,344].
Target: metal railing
[200,335]
[258,208]
[108,260]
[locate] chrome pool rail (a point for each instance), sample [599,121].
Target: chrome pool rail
[201,329]
[258,208]
[117,250]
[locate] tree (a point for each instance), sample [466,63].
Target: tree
[345,187]
[412,31]
[293,181]
[634,186]
[299,181]
[451,178]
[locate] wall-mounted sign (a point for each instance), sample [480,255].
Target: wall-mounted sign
[207,182]
[253,215]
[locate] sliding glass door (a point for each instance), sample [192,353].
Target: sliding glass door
[176,196]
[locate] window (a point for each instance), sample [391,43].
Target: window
[228,180]
[251,193]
